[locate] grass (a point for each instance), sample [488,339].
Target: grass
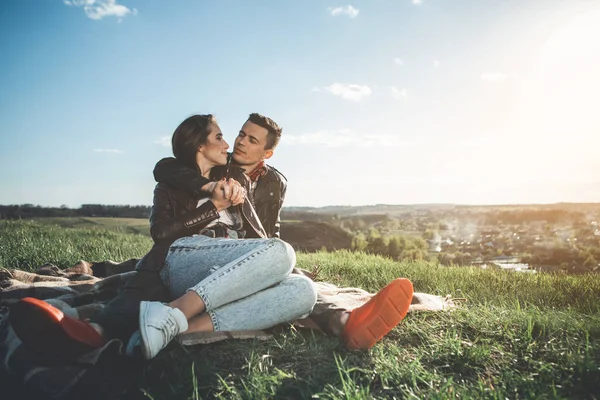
[29,244]
[307,235]
[518,336]
[121,225]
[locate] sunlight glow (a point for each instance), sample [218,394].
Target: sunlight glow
[558,121]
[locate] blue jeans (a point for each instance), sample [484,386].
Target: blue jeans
[246,284]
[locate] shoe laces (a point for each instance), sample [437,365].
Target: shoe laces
[172,329]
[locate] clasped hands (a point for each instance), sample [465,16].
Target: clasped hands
[225,193]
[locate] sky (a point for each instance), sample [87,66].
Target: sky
[381,101]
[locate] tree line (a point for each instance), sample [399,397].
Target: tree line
[28,211]
[398,247]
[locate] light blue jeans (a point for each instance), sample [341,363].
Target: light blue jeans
[246,284]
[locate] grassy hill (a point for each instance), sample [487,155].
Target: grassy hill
[122,225]
[302,235]
[517,336]
[313,236]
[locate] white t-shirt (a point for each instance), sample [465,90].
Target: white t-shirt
[229,216]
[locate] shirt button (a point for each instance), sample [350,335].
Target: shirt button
[271,193]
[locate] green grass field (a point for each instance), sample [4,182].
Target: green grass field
[306,235]
[518,335]
[121,225]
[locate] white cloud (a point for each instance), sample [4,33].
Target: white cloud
[345,138]
[436,63]
[164,141]
[493,76]
[398,61]
[399,94]
[98,9]
[344,10]
[349,91]
[417,2]
[109,151]
[315,89]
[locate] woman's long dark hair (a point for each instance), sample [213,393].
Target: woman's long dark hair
[189,136]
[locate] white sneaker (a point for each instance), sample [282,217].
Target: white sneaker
[159,324]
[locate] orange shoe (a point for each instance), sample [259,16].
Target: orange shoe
[367,324]
[47,330]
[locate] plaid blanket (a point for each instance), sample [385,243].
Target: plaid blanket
[80,284]
[78,293]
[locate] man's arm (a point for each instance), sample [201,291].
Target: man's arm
[172,172]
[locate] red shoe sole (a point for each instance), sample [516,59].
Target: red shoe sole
[369,323]
[48,331]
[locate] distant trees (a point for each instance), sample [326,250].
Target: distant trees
[457,258]
[359,243]
[515,217]
[100,210]
[429,234]
[394,248]
[447,258]
[567,258]
[378,246]
[28,211]
[399,247]
[590,262]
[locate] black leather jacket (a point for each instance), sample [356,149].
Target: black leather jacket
[267,198]
[175,214]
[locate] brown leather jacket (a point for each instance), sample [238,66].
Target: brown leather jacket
[174,215]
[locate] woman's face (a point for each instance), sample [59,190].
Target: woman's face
[215,149]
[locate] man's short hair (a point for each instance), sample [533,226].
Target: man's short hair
[273,130]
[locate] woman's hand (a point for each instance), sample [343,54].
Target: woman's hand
[226,193]
[220,197]
[238,193]
[209,187]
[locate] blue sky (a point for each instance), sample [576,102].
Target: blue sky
[382,101]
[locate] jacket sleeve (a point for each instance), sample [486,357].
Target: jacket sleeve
[172,172]
[165,227]
[277,228]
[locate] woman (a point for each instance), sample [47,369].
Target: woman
[220,283]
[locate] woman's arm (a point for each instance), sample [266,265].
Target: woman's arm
[165,227]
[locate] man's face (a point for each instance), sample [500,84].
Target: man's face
[249,146]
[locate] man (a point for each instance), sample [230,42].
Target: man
[255,143]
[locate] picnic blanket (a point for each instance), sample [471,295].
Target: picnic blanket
[82,290]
